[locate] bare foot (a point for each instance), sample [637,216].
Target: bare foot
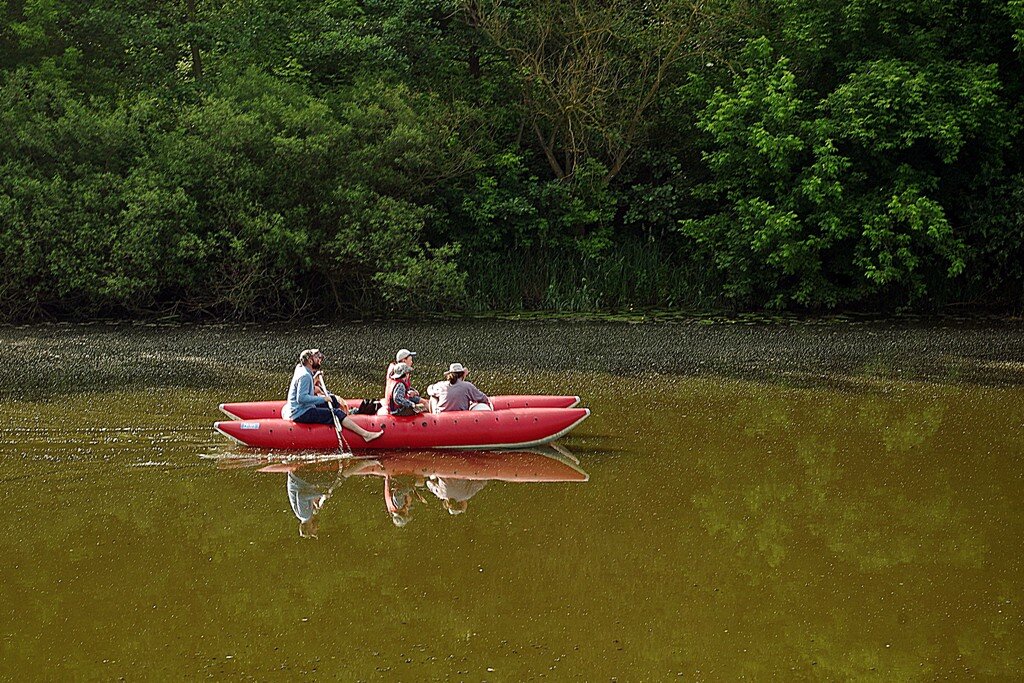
[370,436]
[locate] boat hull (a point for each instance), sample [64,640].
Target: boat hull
[509,428]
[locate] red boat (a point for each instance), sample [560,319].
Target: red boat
[265,410]
[508,428]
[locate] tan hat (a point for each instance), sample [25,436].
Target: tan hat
[457,367]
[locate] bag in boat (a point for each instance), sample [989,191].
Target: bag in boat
[368,407]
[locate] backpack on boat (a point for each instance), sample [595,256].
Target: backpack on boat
[368,407]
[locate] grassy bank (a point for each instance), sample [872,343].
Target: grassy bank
[635,275]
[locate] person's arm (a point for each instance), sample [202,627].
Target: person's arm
[398,396]
[305,396]
[319,389]
[476,395]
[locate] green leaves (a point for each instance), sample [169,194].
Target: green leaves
[1015,8]
[775,177]
[891,106]
[236,204]
[896,234]
[835,199]
[251,158]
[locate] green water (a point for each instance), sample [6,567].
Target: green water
[825,502]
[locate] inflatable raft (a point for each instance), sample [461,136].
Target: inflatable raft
[265,410]
[507,428]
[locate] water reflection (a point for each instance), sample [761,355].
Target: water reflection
[410,478]
[854,514]
[308,491]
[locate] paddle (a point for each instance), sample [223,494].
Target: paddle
[342,446]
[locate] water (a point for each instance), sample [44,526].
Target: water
[798,501]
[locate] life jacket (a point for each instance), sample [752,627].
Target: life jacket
[400,495]
[389,390]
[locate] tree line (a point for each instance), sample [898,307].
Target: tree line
[273,158]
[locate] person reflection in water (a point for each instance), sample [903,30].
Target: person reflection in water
[308,499]
[400,493]
[454,493]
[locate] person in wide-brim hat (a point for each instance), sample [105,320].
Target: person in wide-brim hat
[456,369]
[460,393]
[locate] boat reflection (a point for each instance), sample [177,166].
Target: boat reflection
[411,478]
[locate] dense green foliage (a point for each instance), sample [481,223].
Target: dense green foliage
[265,158]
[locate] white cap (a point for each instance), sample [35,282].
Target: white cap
[403,354]
[457,367]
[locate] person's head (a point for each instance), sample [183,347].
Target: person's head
[454,507]
[456,371]
[310,527]
[400,370]
[312,359]
[405,356]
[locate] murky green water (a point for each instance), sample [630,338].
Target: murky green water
[835,501]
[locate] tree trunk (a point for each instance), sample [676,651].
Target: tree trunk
[197,62]
[548,147]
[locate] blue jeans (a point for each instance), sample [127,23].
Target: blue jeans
[321,416]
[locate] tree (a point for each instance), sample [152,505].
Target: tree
[799,221]
[592,69]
